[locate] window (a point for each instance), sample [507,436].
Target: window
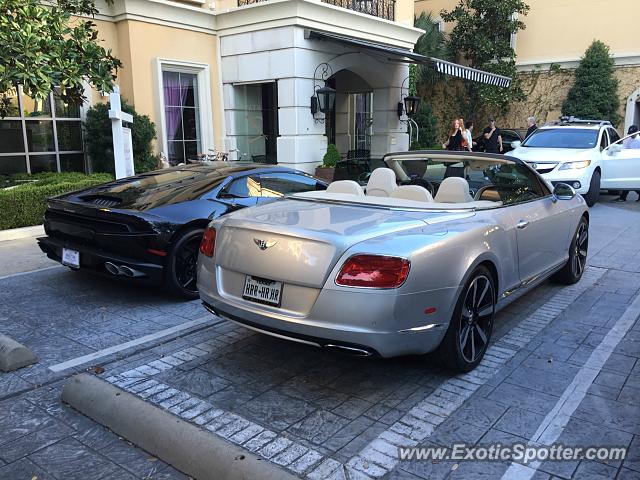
[604,140]
[577,138]
[40,135]
[272,185]
[181,116]
[613,135]
[279,184]
[514,183]
[361,120]
[256,122]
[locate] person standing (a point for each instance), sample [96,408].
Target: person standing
[630,142]
[468,130]
[492,138]
[531,123]
[454,142]
[465,140]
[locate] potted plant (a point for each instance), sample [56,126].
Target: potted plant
[329,161]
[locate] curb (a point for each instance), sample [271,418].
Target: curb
[186,447]
[24,232]
[14,355]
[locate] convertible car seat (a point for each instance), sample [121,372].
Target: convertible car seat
[454,190]
[412,192]
[346,186]
[381,182]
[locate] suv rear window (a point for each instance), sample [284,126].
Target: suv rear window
[576,138]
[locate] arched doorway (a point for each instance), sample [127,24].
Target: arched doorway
[349,126]
[632,116]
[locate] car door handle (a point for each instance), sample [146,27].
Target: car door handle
[522,224]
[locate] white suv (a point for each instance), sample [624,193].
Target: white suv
[569,151]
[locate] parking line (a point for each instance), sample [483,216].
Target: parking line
[74,362]
[19,274]
[556,420]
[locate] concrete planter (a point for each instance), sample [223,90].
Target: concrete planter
[325,173]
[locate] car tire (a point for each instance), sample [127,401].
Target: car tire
[574,268]
[471,323]
[181,268]
[591,197]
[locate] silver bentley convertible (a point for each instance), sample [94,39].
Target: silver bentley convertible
[417,260]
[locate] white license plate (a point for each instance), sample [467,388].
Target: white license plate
[71,258]
[262,290]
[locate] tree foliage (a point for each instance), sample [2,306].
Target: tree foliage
[432,43]
[47,44]
[482,38]
[99,139]
[594,94]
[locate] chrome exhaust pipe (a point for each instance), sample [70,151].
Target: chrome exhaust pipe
[358,352]
[112,268]
[130,272]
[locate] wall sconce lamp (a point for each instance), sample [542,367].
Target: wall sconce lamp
[408,104]
[323,99]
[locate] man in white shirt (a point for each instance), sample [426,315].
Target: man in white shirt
[630,142]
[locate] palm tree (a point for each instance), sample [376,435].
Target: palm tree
[432,43]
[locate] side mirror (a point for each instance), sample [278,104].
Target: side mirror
[515,144]
[562,191]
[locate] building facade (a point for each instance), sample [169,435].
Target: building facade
[558,33]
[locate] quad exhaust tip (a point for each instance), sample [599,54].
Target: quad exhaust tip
[124,270]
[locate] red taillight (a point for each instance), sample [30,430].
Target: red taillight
[373,271]
[208,243]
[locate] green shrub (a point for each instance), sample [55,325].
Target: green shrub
[25,204]
[99,140]
[595,92]
[332,157]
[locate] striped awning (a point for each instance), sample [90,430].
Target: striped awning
[407,56]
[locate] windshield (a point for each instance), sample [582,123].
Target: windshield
[577,138]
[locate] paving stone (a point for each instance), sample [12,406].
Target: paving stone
[24,468]
[306,462]
[20,417]
[278,445]
[246,434]
[289,455]
[260,440]
[69,459]
[519,422]
[319,426]
[32,442]
[198,382]
[277,410]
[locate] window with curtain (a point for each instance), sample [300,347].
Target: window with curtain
[361,118]
[182,115]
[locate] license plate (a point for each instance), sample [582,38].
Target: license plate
[261,290]
[71,258]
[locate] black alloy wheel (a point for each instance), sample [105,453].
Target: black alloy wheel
[578,251]
[471,325]
[476,319]
[182,268]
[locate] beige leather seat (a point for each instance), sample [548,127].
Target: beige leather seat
[382,182]
[454,190]
[412,192]
[346,186]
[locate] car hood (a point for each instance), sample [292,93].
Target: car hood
[528,154]
[307,238]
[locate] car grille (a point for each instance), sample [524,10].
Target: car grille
[543,167]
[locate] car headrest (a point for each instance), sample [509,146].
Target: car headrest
[345,186]
[453,190]
[412,192]
[381,182]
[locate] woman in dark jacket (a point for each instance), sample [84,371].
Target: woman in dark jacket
[454,142]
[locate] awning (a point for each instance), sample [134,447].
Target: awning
[407,56]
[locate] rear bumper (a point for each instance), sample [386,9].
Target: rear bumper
[93,260]
[375,323]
